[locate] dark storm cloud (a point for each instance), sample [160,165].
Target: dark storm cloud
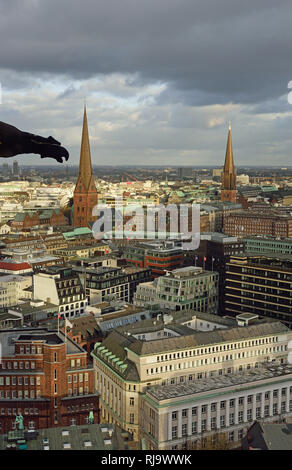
[208,51]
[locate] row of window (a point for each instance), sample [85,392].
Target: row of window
[20,394]
[77,408]
[223,423]
[78,376]
[72,306]
[18,365]
[31,364]
[249,399]
[192,364]
[203,441]
[78,391]
[224,347]
[20,380]
[14,412]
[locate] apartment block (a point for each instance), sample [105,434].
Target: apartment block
[119,283]
[61,287]
[159,256]
[268,244]
[182,289]
[46,377]
[12,288]
[260,284]
[254,222]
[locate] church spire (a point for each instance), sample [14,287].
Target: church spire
[229,162]
[85,167]
[228,190]
[85,194]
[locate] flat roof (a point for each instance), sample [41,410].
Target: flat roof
[8,338]
[27,307]
[85,437]
[264,371]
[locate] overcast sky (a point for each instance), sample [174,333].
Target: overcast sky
[161,78]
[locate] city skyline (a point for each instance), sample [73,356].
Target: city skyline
[146,282]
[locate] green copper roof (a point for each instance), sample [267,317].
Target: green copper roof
[77,231]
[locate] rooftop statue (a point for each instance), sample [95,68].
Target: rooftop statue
[91,417]
[19,421]
[14,142]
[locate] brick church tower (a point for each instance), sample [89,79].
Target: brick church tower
[228,188]
[85,193]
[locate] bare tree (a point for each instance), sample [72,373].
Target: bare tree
[216,441]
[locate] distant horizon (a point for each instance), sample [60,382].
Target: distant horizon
[151,166]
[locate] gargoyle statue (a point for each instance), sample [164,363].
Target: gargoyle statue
[14,142]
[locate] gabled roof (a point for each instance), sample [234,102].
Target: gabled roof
[19,217]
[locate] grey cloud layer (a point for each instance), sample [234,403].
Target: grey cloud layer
[228,49]
[162,77]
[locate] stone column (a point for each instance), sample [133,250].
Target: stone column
[263,404]
[227,413]
[189,421]
[209,417]
[287,399]
[271,403]
[236,410]
[279,400]
[199,419]
[254,407]
[169,425]
[179,424]
[245,409]
[218,415]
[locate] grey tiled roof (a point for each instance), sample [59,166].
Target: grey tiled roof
[116,343]
[203,338]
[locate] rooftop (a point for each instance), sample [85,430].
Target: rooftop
[280,261]
[28,307]
[86,437]
[203,338]
[263,372]
[8,338]
[276,436]
[11,265]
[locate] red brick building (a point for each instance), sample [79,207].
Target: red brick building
[46,378]
[251,222]
[48,217]
[160,257]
